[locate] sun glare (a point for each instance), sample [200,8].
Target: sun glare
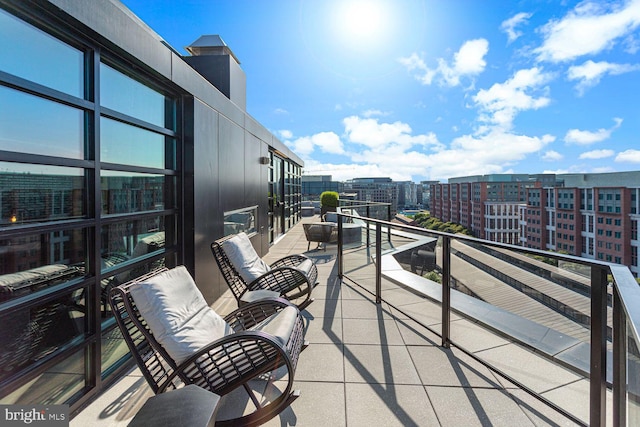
[361,22]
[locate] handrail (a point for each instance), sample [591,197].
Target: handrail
[626,311]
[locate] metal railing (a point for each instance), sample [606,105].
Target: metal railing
[624,381]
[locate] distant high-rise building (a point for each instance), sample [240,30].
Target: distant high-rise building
[314,185]
[380,190]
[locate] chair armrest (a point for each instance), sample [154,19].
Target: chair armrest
[290,260]
[222,365]
[255,312]
[281,279]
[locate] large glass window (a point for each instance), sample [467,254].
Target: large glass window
[130,145]
[30,124]
[71,227]
[124,94]
[32,54]
[126,192]
[38,193]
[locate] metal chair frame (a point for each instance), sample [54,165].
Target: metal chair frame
[223,365]
[290,282]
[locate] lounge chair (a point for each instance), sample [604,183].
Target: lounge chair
[319,232]
[177,339]
[292,277]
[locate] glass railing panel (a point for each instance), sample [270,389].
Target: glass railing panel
[513,304]
[524,313]
[358,257]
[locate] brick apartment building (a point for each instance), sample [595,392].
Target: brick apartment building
[589,215]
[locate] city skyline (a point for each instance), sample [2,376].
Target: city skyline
[425,90]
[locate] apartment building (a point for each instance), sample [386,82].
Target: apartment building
[590,215]
[486,204]
[380,190]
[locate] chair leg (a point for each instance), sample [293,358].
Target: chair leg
[264,413]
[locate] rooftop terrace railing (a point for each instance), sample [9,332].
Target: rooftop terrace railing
[582,338]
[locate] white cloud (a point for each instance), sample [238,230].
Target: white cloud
[585,137]
[280,111]
[372,112]
[509,26]
[303,147]
[631,156]
[588,29]
[590,73]
[377,148]
[285,134]
[327,142]
[344,171]
[501,102]
[596,154]
[375,135]
[467,62]
[552,156]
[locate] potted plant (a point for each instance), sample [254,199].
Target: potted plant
[328,202]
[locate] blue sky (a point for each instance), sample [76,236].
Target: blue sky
[423,89]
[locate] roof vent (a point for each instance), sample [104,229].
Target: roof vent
[210,45]
[214,60]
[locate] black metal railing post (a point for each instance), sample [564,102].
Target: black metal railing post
[619,361]
[340,249]
[446,291]
[368,224]
[378,263]
[598,372]
[389,220]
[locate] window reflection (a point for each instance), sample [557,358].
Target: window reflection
[124,241]
[241,220]
[30,334]
[125,95]
[36,193]
[129,145]
[35,125]
[35,261]
[114,349]
[124,192]
[27,52]
[56,385]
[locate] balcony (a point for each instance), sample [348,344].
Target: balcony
[378,355]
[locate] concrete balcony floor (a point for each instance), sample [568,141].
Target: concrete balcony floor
[370,364]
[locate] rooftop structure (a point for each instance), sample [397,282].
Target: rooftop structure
[146,168]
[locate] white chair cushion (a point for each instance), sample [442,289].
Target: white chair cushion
[244,258]
[279,325]
[305,266]
[177,313]
[258,294]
